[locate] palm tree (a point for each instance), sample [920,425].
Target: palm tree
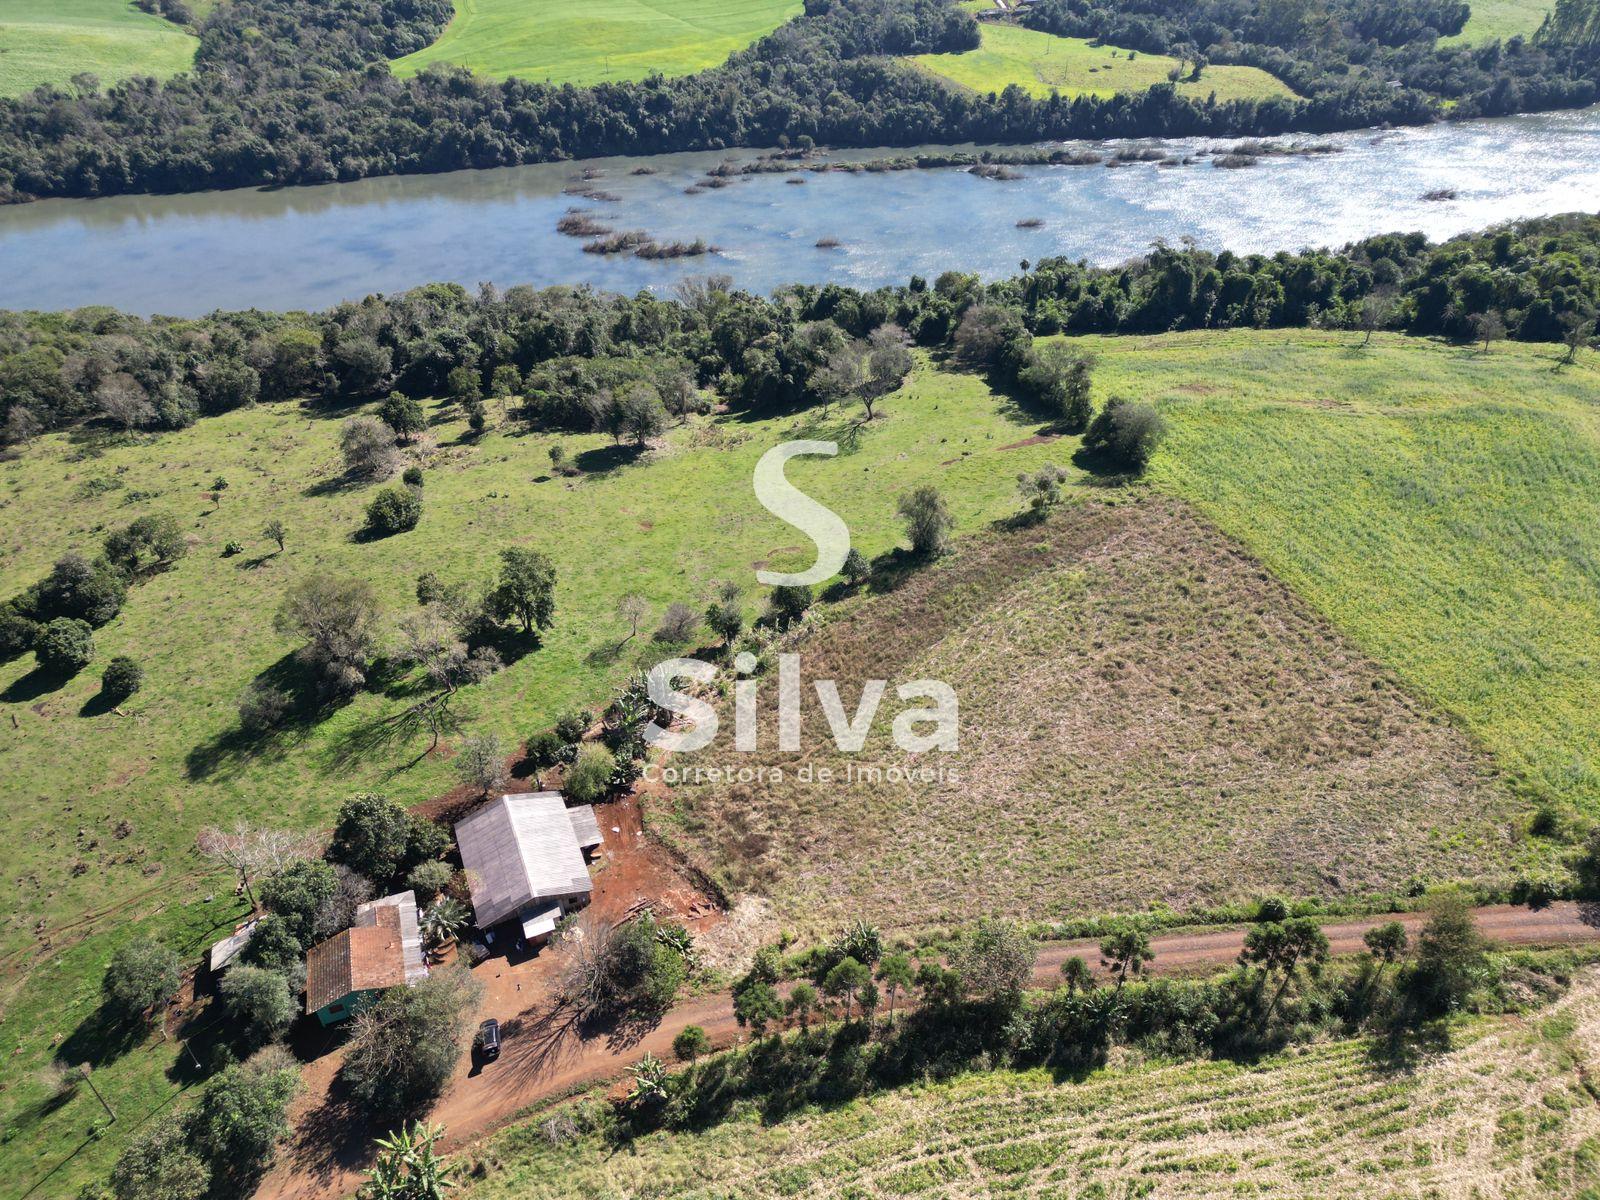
[443,919]
[407,1167]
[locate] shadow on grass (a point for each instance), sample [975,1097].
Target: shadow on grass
[604,459]
[225,753]
[101,1037]
[98,705]
[38,682]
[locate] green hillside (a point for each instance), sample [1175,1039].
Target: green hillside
[49,41]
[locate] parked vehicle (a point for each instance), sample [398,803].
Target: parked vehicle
[488,1040]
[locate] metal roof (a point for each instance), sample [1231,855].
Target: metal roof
[229,948]
[519,850]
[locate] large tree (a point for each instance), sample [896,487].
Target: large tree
[404,1047]
[526,591]
[142,976]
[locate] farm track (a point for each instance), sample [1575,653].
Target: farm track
[545,1057]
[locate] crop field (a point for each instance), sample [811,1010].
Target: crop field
[49,41]
[1440,506]
[1146,717]
[1500,19]
[1041,63]
[1506,1115]
[101,808]
[564,41]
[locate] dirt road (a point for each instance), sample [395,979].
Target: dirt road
[546,1056]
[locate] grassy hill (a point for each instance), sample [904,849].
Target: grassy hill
[1508,1114]
[562,41]
[49,41]
[1041,63]
[1500,19]
[666,528]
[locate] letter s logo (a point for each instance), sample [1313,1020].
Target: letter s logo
[788,503]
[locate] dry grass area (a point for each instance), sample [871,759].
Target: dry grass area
[1146,716]
[1507,1115]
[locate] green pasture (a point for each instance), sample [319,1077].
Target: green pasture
[601,41]
[50,41]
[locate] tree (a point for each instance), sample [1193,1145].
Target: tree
[408,1167]
[1387,943]
[844,981]
[1041,489]
[1125,951]
[1488,327]
[258,1002]
[444,919]
[141,977]
[842,375]
[928,520]
[244,1114]
[393,510]
[608,970]
[121,679]
[481,762]
[1575,336]
[366,445]
[856,570]
[272,946]
[262,708]
[1076,976]
[691,1042]
[1124,434]
[123,402]
[225,384]
[894,973]
[725,614]
[632,608]
[87,591]
[65,646]
[1376,312]
[1449,961]
[218,486]
[803,1001]
[888,364]
[640,414]
[159,1164]
[790,601]
[403,414]
[1281,948]
[1060,379]
[526,590]
[995,962]
[338,618]
[370,836]
[153,540]
[403,1048]
[249,852]
[588,780]
[275,531]
[756,1005]
[428,879]
[679,624]
[298,893]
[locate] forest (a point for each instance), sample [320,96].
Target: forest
[564,353]
[284,92]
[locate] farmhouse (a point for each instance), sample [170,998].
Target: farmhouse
[383,949]
[527,861]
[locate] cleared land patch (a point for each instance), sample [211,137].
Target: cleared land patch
[1506,1115]
[1146,715]
[565,41]
[1500,19]
[1041,63]
[1440,505]
[49,41]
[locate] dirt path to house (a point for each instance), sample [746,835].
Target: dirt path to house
[547,1057]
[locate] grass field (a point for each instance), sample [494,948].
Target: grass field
[49,41]
[563,41]
[1500,19]
[1506,1115]
[1440,506]
[1041,63]
[666,529]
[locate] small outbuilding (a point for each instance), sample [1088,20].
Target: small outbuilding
[229,948]
[383,949]
[527,861]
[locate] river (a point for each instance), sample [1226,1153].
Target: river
[313,246]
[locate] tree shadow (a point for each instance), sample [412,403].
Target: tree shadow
[101,1037]
[1103,469]
[98,705]
[604,459]
[225,753]
[260,560]
[38,682]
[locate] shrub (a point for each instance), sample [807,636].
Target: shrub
[546,749]
[403,1049]
[691,1042]
[1124,435]
[87,591]
[857,570]
[394,510]
[412,477]
[790,601]
[152,540]
[428,879]
[262,708]
[142,975]
[678,624]
[260,1006]
[1272,908]
[121,679]
[571,726]
[367,446]
[928,521]
[17,632]
[371,836]
[65,646]
[589,778]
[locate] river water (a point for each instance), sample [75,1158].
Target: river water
[311,247]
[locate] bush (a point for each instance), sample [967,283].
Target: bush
[121,679]
[151,541]
[65,646]
[88,591]
[1272,909]
[790,601]
[928,521]
[259,1004]
[546,749]
[412,477]
[404,1047]
[394,510]
[589,777]
[142,975]
[679,624]
[262,708]
[428,879]
[367,446]
[571,726]
[17,633]
[371,836]
[1124,435]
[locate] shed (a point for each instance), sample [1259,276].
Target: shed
[526,859]
[383,949]
[230,947]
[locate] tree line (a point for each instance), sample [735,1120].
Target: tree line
[287,92]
